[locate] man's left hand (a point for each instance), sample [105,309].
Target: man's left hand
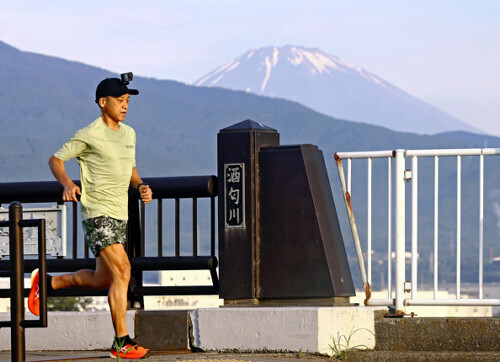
[146,193]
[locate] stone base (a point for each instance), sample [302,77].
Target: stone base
[291,302]
[283,329]
[163,330]
[66,331]
[438,334]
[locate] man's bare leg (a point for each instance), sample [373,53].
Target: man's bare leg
[84,279]
[113,273]
[116,260]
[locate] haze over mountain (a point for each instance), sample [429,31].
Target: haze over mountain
[44,100]
[332,86]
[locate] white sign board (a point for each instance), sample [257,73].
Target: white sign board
[55,228]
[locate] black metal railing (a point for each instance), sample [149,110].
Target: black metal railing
[176,188]
[17,322]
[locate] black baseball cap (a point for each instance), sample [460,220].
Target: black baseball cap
[113,87]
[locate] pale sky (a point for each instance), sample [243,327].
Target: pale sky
[444,52]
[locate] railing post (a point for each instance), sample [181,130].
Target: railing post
[414,227]
[369,222]
[134,247]
[459,223]
[436,226]
[17,322]
[389,227]
[400,230]
[481,223]
[17,278]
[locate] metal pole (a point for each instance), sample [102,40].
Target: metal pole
[400,230]
[75,232]
[459,222]
[143,229]
[481,223]
[195,226]
[160,227]
[212,226]
[17,282]
[369,222]
[354,230]
[42,264]
[389,228]
[349,176]
[414,227]
[436,224]
[42,258]
[177,227]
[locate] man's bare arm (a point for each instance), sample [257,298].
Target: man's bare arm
[59,171]
[144,190]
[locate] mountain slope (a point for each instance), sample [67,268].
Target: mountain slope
[47,98]
[44,100]
[331,86]
[481,140]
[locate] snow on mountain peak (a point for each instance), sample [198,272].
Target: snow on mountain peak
[270,64]
[329,85]
[321,63]
[267,59]
[314,60]
[218,74]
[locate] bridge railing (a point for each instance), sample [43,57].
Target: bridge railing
[165,188]
[17,322]
[396,210]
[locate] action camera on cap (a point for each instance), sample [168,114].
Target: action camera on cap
[126,78]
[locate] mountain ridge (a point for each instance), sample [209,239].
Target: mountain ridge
[331,86]
[45,99]
[50,98]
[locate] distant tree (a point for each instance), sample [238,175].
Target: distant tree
[68,303]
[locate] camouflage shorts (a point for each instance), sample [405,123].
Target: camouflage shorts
[103,231]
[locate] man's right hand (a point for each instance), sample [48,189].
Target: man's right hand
[70,192]
[70,188]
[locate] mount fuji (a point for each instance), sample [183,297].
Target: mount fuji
[331,86]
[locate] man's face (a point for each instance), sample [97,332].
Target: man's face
[115,107]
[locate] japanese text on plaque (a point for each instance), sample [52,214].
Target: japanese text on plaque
[234,195]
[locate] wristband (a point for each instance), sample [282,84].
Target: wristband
[139,186]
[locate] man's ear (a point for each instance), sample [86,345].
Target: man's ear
[102,102]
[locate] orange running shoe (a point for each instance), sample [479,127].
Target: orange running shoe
[34,297]
[129,350]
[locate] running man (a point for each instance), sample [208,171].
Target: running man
[105,151]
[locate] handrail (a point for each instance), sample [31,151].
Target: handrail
[164,188]
[17,322]
[176,188]
[401,177]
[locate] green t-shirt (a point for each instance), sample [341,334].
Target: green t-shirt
[106,159]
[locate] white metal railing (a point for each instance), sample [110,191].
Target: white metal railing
[401,176]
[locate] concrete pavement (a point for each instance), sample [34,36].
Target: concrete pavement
[164,356]
[381,356]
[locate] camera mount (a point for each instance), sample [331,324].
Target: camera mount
[126,77]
